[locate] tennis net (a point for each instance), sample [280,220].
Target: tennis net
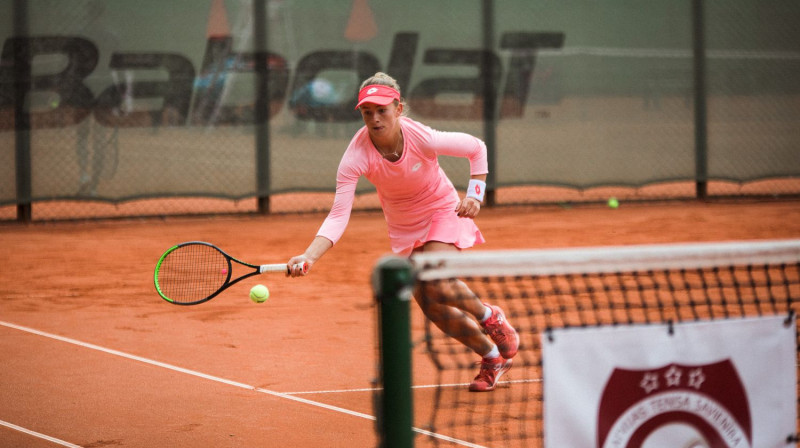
[542,291]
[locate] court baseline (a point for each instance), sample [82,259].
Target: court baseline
[38,434]
[195,373]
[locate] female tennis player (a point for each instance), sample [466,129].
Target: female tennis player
[423,212]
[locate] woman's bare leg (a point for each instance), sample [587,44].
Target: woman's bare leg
[449,305]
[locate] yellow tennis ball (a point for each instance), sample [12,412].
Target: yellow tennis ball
[613,202]
[259,293]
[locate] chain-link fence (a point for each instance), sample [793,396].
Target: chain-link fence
[153,108]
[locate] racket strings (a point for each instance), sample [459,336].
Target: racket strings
[192,273]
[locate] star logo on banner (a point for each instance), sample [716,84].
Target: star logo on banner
[673,376]
[696,378]
[711,398]
[649,382]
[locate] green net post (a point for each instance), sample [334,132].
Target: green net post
[393,283]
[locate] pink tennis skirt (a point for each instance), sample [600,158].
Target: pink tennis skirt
[445,227]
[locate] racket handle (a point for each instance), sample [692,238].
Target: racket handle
[279,268]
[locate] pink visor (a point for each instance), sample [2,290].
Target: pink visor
[377,94]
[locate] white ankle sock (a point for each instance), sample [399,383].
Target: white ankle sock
[495,353]
[486,314]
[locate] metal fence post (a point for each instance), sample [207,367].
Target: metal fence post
[262,105]
[22,117]
[700,112]
[489,100]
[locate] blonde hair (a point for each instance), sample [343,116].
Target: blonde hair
[382,79]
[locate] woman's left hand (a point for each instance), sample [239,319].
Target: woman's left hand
[468,208]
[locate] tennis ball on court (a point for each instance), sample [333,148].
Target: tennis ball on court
[613,202]
[259,293]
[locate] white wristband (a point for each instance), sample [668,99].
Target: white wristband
[476,189]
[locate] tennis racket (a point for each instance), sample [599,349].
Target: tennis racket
[195,272]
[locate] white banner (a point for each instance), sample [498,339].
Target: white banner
[722,384]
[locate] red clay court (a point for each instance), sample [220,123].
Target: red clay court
[92,357]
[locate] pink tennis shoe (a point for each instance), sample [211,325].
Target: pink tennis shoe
[490,373]
[501,332]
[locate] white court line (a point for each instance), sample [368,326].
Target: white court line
[38,434]
[225,381]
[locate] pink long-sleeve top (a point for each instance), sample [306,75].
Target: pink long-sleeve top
[411,190]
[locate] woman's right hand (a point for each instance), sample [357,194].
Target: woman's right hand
[298,266]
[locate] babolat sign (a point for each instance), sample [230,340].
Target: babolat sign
[188,95]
